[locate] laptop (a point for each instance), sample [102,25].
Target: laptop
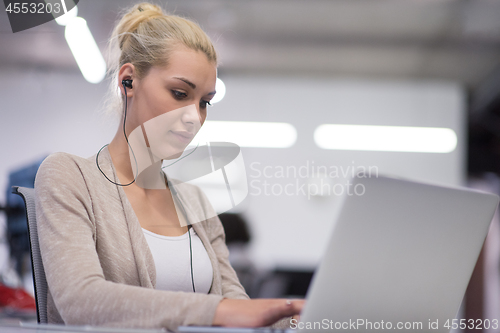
[399,258]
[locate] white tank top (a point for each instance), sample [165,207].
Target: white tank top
[173,266]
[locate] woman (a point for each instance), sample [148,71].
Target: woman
[108,225]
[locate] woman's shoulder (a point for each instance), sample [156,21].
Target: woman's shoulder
[62,168]
[65,164]
[63,160]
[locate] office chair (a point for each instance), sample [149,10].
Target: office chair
[40,283]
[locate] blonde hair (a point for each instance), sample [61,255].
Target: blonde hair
[145,36]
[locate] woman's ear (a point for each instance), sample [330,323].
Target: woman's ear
[125,78]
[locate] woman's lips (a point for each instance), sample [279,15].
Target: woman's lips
[183,136]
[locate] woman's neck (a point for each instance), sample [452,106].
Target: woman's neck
[135,163]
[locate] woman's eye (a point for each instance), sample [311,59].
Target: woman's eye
[204,104]
[179,94]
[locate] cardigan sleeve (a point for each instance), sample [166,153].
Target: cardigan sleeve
[81,294]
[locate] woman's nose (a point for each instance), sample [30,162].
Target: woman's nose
[191,116]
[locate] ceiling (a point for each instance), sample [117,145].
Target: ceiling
[428,39]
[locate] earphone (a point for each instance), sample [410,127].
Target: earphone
[128,84]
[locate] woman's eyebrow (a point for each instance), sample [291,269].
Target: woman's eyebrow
[191,84]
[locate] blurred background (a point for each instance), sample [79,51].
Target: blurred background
[411,63]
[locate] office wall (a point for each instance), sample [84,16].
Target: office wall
[44,112]
[291,230]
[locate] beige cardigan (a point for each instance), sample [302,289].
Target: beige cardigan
[99,268]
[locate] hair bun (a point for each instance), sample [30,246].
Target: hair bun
[138,14]
[144,7]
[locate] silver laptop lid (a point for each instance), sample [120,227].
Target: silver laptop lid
[401,253]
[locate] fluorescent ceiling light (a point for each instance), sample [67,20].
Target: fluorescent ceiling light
[386,138]
[220,89]
[85,50]
[248,134]
[68,16]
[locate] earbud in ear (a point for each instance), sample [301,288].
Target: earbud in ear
[127,83]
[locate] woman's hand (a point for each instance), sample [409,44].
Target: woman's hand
[255,312]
